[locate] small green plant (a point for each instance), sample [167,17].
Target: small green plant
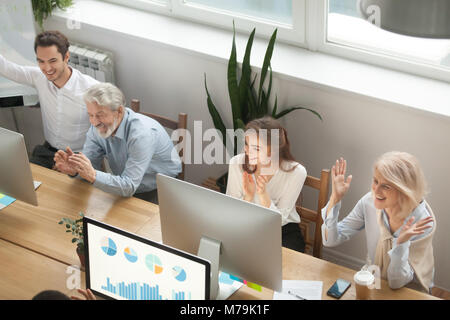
[43,8]
[76,227]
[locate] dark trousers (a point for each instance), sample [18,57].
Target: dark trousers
[151,196]
[43,155]
[292,237]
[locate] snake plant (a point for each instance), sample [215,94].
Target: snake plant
[247,103]
[43,8]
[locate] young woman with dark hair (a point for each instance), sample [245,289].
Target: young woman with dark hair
[267,174]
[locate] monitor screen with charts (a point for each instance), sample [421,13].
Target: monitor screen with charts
[124,266]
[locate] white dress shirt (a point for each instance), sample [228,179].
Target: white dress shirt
[64,114]
[283,188]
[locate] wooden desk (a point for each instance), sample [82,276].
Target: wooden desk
[40,241]
[299,266]
[24,273]
[59,196]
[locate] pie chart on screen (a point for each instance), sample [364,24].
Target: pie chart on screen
[179,273]
[108,246]
[130,254]
[154,263]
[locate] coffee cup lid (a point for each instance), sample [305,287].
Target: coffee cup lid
[364,278]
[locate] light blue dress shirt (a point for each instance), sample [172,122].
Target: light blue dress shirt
[139,150]
[363,216]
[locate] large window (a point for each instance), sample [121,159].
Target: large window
[288,16]
[338,27]
[351,27]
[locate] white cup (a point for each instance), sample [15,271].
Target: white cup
[363,279]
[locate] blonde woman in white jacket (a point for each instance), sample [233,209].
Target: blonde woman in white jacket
[398,222]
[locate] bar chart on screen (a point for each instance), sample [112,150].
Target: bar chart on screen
[141,291]
[128,268]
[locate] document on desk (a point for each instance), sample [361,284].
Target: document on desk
[299,290]
[227,285]
[36,184]
[5,200]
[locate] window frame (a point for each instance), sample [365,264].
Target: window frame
[145,5]
[292,34]
[308,30]
[369,56]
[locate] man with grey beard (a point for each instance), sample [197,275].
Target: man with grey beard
[136,146]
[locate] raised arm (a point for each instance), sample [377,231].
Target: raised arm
[17,73]
[339,185]
[334,233]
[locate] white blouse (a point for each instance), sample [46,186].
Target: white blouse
[283,189]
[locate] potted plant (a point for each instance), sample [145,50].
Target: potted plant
[247,103]
[43,9]
[76,228]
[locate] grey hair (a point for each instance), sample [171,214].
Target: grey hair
[106,95]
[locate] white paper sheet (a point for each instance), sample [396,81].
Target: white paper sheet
[36,184]
[227,286]
[309,290]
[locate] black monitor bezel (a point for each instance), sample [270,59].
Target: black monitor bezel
[161,246]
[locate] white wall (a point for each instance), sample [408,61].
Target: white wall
[168,81]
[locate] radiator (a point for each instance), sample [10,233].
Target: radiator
[94,62]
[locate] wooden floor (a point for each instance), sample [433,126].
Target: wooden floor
[440,293]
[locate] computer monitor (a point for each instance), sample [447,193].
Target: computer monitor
[16,179]
[123,266]
[237,237]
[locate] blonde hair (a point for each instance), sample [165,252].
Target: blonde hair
[404,172]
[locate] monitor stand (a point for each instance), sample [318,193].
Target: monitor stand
[209,249]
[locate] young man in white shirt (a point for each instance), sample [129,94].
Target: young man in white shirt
[60,89]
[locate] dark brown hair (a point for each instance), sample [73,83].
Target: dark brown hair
[268,124]
[52,38]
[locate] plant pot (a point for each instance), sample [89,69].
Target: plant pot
[81,257]
[221,182]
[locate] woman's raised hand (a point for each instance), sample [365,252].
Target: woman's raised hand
[410,229]
[339,184]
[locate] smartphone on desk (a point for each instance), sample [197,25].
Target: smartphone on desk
[338,288]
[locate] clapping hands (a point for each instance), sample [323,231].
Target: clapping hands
[62,164]
[72,163]
[251,187]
